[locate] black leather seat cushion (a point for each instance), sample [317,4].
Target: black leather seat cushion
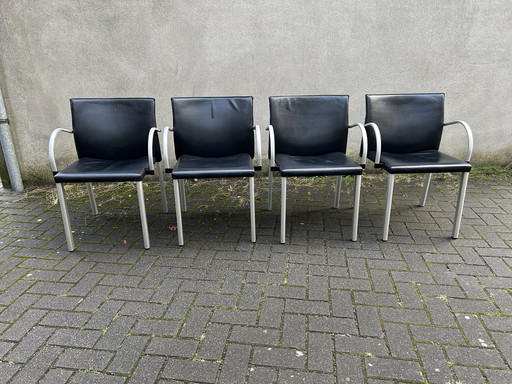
[190,167]
[88,169]
[430,161]
[334,163]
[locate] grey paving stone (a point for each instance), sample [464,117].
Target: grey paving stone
[287,376]
[259,375]
[56,376]
[332,325]
[254,335]
[214,342]
[435,364]
[147,370]
[36,368]
[128,354]
[29,345]
[74,338]
[320,352]
[437,334]
[349,368]
[228,316]
[87,359]
[8,371]
[271,312]
[307,307]
[471,375]
[96,378]
[475,356]
[294,331]
[210,311]
[361,345]
[235,366]
[279,357]
[394,369]
[65,319]
[172,347]
[116,332]
[195,371]
[23,325]
[156,327]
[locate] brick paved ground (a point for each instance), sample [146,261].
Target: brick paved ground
[421,308]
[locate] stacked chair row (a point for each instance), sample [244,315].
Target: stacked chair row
[117,140]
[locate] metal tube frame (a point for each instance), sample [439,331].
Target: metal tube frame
[389,201]
[92,200]
[183,196]
[179,224]
[460,204]
[252,209]
[357,197]
[339,182]
[283,210]
[272,144]
[143,218]
[65,217]
[426,185]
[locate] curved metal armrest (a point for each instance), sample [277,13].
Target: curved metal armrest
[151,159]
[51,147]
[272,141]
[257,143]
[364,140]
[378,141]
[469,134]
[165,144]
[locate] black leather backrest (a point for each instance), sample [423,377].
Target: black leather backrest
[407,122]
[213,126]
[309,125]
[114,128]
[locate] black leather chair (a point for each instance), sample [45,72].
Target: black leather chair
[214,137]
[410,127]
[308,137]
[115,141]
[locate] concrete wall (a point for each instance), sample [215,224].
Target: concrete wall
[52,50]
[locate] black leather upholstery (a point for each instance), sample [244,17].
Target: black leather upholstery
[309,125]
[311,135]
[87,170]
[111,137]
[213,137]
[411,126]
[189,167]
[407,122]
[213,126]
[114,128]
[421,162]
[334,163]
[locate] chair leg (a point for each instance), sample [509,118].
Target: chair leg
[426,186]
[270,179]
[283,210]
[143,218]
[389,200]
[92,200]
[183,195]
[253,209]
[160,172]
[460,204]
[357,197]
[339,181]
[65,217]
[179,225]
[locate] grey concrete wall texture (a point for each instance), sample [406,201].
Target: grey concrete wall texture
[52,50]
